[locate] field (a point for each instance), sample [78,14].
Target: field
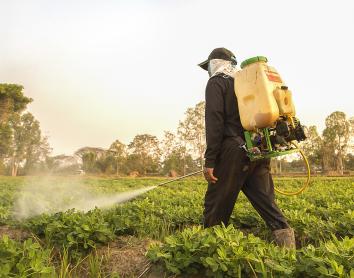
[159,234]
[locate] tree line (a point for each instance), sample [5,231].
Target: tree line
[24,150]
[176,154]
[334,149]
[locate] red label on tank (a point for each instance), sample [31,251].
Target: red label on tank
[273,76]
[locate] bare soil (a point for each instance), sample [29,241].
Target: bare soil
[13,233]
[125,257]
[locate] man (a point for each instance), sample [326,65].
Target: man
[227,167]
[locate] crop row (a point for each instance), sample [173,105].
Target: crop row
[315,215]
[227,252]
[323,218]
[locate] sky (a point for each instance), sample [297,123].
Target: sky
[105,70]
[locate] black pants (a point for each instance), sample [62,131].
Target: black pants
[235,172]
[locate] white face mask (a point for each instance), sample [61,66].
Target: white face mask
[221,66]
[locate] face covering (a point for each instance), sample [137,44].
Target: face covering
[216,66]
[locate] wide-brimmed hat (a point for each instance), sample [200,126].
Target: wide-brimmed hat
[219,53]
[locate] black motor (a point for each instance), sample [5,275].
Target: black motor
[285,132]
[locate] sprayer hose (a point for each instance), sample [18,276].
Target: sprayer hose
[307,182]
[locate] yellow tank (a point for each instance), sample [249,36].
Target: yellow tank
[261,94]
[285,102]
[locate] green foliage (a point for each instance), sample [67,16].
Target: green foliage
[21,142]
[349,162]
[336,136]
[332,258]
[119,152]
[78,232]
[175,154]
[313,146]
[325,208]
[227,252]
[161,212]
[27,259]
[5,142]
[323,219]
[89,162]
[14,92]
[95,263]
[145,154]
[178,161]
[192,130]
[28,145]
[12,103]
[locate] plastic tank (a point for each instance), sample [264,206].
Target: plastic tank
[284,99]
[262,97]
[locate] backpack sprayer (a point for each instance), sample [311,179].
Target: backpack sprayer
[267,115]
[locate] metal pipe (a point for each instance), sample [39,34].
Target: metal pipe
[179,178]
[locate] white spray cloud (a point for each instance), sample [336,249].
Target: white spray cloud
[50,196]
[108,201]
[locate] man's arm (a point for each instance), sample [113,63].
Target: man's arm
[214,120]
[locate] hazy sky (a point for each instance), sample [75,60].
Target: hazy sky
[105,70]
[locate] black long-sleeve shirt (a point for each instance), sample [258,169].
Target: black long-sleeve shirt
[222,118]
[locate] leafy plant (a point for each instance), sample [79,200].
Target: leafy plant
[323,219]
[77,231]
[27,259]
[227,252]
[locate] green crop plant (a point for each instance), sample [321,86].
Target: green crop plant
[226,252]
[323,219]
[78,232]
[27,259]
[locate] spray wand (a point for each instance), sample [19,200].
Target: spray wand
[179,178]
[276,189]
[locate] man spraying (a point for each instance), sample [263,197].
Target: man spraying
[227,166]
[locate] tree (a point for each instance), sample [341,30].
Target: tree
[27,145]
[351,140]
[21,141]
[5,141]
[349,162]
[98,160]
[169,144]
[89,162]
[192,130]
[185,136]
[144,154]
[12,100]
[106,163]
[175,156]
[119,151]
[92,159]
[336,136]
[36,147]
[12,103]
[179,161]
[313,147]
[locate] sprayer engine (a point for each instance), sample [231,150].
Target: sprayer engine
[285,132]
[275,141]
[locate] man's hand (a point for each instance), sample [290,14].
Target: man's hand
[208,174]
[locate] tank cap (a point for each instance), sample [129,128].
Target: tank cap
[253,60]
